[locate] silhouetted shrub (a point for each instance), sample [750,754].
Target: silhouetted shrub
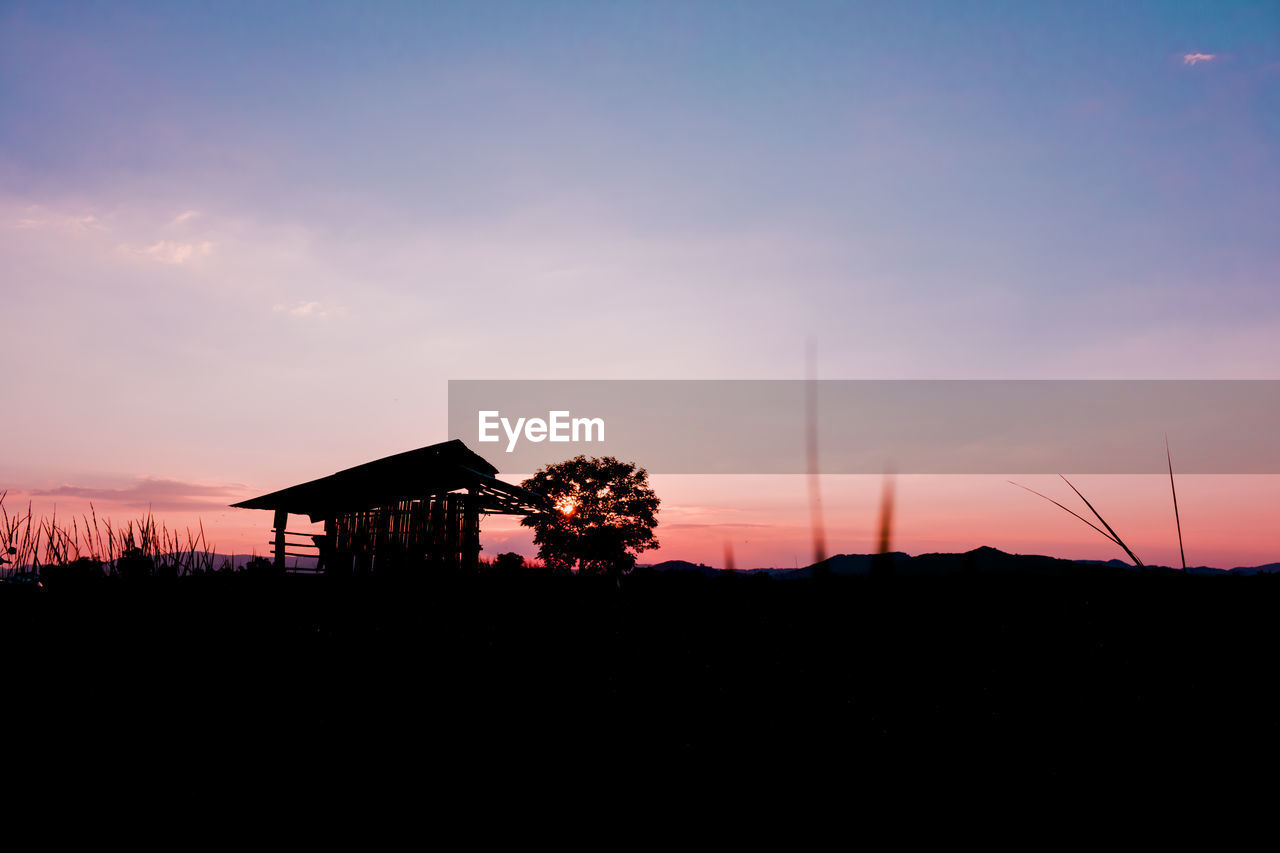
[134,563]
[79,571]
[510,563]
[261,567]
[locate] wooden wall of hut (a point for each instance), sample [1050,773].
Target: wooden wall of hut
[440,531]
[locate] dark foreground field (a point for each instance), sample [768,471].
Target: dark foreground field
[1104,675]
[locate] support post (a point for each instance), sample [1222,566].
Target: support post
[471,531]
[282,521]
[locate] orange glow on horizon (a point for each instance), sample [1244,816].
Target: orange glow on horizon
[1227,520]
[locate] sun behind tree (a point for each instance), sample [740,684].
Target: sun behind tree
[603,515]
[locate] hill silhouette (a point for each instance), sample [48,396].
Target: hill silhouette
[984,559]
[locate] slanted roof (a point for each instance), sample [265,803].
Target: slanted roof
[432,470]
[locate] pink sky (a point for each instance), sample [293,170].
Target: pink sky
[1227,520]
[241,252]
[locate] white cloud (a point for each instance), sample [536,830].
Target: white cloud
[172,252]
[184,216]
[47,219]
[310,309]
[1193,58]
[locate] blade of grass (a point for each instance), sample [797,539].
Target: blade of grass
[1174,489]
[1076,514]
[1114,535]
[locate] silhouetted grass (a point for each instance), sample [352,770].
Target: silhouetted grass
[36,544]
[1176,517]
[1109,532]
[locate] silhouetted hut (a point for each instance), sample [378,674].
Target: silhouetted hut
[421,507]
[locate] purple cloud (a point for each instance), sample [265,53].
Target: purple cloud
[154,493]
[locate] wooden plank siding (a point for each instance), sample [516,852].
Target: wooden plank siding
[440,530]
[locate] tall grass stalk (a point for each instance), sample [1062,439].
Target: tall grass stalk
[1108,533]
[39,543]
[1176,517]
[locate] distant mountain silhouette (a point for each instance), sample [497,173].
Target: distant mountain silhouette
[1265,569]
[983,560]
[1119,564]
[239,561]
[682,566]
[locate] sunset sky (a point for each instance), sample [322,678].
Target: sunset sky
[244,245]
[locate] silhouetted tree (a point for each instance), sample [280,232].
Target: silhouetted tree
[603,514]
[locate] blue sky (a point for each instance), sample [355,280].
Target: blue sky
[216,214]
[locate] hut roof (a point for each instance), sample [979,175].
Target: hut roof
[432,470]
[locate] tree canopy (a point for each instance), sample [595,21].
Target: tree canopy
[603,514]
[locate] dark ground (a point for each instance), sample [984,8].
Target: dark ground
[1116,676]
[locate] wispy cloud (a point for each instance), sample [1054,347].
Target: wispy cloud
[45,219]
[310,309]
[1193,58]
[736,524]
[154,493]
[172,251]
[184,216]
